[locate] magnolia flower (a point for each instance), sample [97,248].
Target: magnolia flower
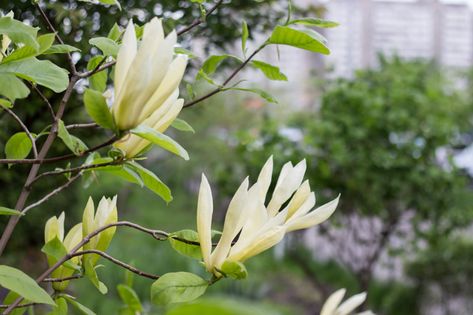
[259,226]
[55,229]
[106,214]
[333,307]
[146,83]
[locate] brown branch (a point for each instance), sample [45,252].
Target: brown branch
[58,158]
[116,262]
[232,75]
[200,20]
[81,126]
[44,98]
[58,38]
[28,133]
[18,306]
[63,279]
[97,69]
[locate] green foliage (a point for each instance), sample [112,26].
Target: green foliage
[270,71]
[183,248]
[76,145]
[306,39]
[8,211]
[18,146]
[182,125]
[19,282]
[177,287]
[234,269]
[96,107]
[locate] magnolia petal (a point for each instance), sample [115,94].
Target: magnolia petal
[204,221]
[88,225]
[163,124]
[51,229]
[331,305]
[125,58]
[60,222]
[308,205]
[315,217]
[233,223]
[159,113]
[264,178]
[299,198]
[73,237]
[261,243]
[351,304]
[169,83]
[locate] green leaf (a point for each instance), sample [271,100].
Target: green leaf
[212,63]
[234,269]
[18,146]
[81,308]
[91,274]
[12,87]
[42,72]
[112,2]
[19,282]
[130,298]
[72,142]
[152,182]
[183,51]
[97,81]
[270,71]
[21,53]
[45,42]
[184,248]
[5,103]
[123,171]
[106,45]
[161,140]
[60,308]
[60,49]
[18,31]
[268,97]
[8,211]
[115,32]
[244,36]
[97,108]
[284,35]
[315,22]
[177,287]
[182,125]
[202,75]
[55,250]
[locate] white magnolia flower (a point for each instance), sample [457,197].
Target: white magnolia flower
[106,214]
[55,228]
[259,226]
[146,83]
[333,307]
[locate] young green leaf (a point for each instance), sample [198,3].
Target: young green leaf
[315,22]
[130,298]
[72,142]
[18,146]
[81,308]
[91,274]
[18,31]
[55,250]
[8,211]
[42,72]
[212,63]
[45,42]
[98,81]
[115,32]
[268,97]
[183,248]
[270,71]
[60,308]
[161,140]
[97,108]
[283,35]
[106,45]
[12,88]
[182,125]
[244,36]
[20,54]
[183,51]
[177,287]
[19,282]
[5,103]
[234,269]
[60,49]
[152,182]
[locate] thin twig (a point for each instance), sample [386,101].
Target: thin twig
[58,158]
[200,20]
[80,126]
[58,38]
[44,98]
[117,262]
[232,75]
[28,133]
[52,193]
[76,169]
[18,306]
[74,277]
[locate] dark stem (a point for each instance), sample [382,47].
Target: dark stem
[200,20]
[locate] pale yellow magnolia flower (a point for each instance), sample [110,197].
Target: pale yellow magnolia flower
[147,83]
[260,227]
[91,221]
[333,307]
[55,228]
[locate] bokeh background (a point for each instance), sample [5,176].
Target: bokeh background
[385,120]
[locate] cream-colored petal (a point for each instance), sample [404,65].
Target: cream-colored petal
[315,217]
[159,113]
[204,221]
[308,205]
[260,244]
[51,229]
[331,305]
[299,198]
[351,304]
[60,222]
[73,237]
[169,83]
[232,225]
[264,178]
[163,124]
[125,57]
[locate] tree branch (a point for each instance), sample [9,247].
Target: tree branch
[18,306]
[232,75]
[200,20]
[63,279]
[28,133]
[80,126]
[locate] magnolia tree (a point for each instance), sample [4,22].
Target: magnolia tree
[130,91]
